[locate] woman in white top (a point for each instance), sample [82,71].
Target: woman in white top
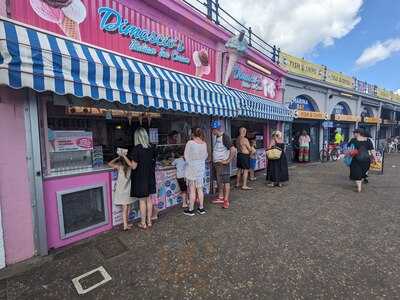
[195,156]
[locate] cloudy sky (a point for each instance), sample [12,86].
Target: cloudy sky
[357,37]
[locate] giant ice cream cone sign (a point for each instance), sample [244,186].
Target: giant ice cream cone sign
[236,46]
[67,14]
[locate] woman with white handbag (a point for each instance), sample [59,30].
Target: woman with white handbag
[277,169]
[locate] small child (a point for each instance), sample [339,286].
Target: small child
[180,165]
[253,159]
[122,194]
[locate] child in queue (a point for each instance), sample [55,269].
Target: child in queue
[180,165]
[123,187]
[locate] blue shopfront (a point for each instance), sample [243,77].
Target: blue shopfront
[307,117]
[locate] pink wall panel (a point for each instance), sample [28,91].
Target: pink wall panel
[16,207]
[52,186]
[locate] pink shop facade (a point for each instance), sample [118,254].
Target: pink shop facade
[75,83]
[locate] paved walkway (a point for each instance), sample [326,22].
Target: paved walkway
[315,238]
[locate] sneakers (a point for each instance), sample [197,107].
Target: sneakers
[188,212]
[201,211]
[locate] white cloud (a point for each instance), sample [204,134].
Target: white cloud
[297,26]
[378,52]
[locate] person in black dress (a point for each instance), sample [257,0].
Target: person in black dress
[277,170]
[362,159]
[143,179]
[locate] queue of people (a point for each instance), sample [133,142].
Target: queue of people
[136,171]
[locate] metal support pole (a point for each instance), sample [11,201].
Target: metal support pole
[209,9]
[250,37]
[217,12]
[35,172]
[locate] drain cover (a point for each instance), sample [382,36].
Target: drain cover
[90,280]
[111,248]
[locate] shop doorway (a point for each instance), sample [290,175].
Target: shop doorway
[312,128]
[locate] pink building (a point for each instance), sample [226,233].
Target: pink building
[77,80]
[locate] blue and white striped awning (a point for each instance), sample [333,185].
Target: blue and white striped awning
[251,106]
[45,62]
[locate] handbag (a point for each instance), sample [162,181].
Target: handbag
[274,153]
[347,160]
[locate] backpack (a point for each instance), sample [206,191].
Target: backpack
[363,154]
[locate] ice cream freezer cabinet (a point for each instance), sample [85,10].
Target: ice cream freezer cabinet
[77,206]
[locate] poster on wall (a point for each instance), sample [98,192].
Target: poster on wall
[123,27]
[62,141]
[246,79]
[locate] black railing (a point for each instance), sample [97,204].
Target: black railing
[214,12]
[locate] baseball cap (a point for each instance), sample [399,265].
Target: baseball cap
[216,124]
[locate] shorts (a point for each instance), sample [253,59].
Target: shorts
[182,184]
[243,161]
[253,163]
[222,173]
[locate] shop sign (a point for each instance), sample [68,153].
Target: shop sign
[327,124]
[372,120]
[143,40]
[244,78]
[315,115]
[389,122]
[396,97]
[339,79]
[247,80]
[365,88]
[301,103]
[62,141]
[123,27]
[384,94]
[301,67]
[346,118]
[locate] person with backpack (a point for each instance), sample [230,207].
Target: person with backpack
[223,153]
[361,160]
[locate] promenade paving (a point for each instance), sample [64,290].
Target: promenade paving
[315,238]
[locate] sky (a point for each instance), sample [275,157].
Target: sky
[360,38]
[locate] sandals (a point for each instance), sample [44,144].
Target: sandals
[246,188]
[128,227]
[218,200]
[142,226]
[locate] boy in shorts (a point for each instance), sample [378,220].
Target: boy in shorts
[180,165]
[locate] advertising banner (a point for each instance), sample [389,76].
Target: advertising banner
[378,163]
[62,141]
[301,67]
[339,79]
[124,27]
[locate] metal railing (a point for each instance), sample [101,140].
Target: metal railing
[214,12]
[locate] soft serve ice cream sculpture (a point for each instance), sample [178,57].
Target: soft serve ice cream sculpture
[67,14]
[236,46]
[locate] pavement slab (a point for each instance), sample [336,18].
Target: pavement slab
[315,238]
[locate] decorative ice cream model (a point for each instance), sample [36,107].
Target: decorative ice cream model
[201,62]
[67,14]
[236,46]
[269,87]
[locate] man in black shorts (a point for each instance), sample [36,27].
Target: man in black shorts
[243,159]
